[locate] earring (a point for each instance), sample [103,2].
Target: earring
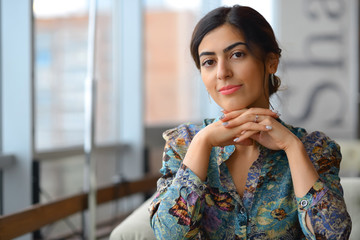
[272,78]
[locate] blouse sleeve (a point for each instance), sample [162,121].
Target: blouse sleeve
[176,210]
[324,203]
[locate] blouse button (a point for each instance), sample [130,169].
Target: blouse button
[241,210]
[304,203]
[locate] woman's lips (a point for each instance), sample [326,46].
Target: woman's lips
[229,89]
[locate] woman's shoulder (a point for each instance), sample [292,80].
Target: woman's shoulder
[185,131]
[313,139]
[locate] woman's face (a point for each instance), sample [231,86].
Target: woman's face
[232,75]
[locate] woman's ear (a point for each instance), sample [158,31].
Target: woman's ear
[272,62]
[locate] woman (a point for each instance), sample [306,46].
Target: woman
[247,174]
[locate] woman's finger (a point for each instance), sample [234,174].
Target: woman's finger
[248,112]
[235,122]
[245,142]
[246,135]
[231,115]
[249,118]
[249,129]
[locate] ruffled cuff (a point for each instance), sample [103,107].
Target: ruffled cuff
[188,182]
[314,195]
[317,191]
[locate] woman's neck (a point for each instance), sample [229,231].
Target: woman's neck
[247,151]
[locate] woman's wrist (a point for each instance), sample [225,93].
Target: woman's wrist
[293,144]
[198,154]
[202,139]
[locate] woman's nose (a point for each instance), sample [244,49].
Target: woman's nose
[224,70]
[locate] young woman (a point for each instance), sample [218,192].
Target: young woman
[246,174]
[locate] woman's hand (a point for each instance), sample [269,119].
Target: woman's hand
[234,125]
[260,125]
[243,126]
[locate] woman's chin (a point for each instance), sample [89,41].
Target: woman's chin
[231,109]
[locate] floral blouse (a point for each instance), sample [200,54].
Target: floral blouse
[187,208]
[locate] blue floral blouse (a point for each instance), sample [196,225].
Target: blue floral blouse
[187,208]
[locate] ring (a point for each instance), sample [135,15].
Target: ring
[256,118]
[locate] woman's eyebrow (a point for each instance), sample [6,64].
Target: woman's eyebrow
[225,50]
[206,53]
[233,45]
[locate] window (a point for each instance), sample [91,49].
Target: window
[171,79]
[61,30]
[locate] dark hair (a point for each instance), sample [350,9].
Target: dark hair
[257,32]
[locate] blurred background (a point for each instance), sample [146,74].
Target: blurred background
[146,83]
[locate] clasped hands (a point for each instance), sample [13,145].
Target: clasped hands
[245,126]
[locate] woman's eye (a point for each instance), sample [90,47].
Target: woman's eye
[208,63]
[238,54]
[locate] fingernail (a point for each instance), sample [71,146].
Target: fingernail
[243,132]
[276,112]
[222,117]
[236,139]
[268,127]
[225,123]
